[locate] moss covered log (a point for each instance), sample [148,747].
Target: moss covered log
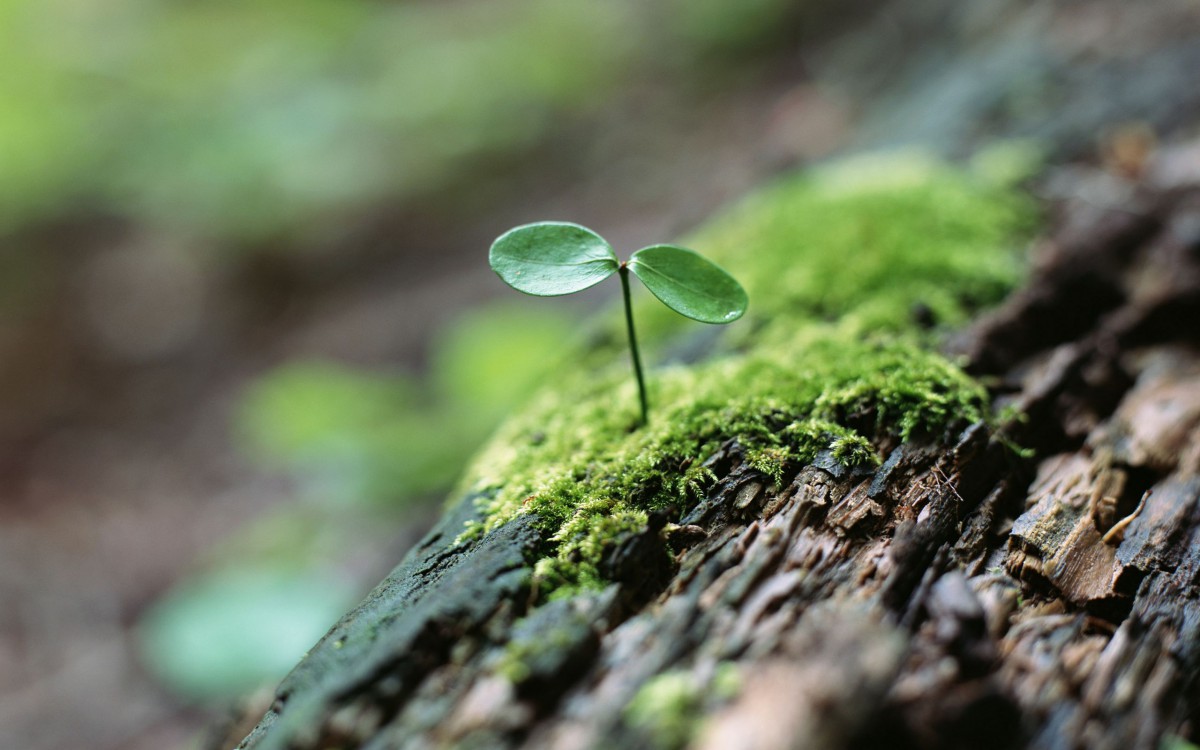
[827,537]
[853,271]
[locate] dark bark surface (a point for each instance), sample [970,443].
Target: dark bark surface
[960,596]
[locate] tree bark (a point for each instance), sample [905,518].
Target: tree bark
[959,596]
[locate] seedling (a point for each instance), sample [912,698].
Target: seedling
[552,258]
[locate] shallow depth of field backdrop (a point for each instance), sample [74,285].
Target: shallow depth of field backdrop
[247,329]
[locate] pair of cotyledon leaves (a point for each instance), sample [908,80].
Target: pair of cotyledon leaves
[552,258]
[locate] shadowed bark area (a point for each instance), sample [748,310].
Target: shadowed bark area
[958,596]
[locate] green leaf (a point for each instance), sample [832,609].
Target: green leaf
[689,283]
[552,258]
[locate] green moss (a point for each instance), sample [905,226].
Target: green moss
[669,707]
[863,241]
[520,655]
[545,642]
[829,357]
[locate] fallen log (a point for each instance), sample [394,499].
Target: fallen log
[961,593]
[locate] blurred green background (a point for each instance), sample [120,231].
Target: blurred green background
[285,120]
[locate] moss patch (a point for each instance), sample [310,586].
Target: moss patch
[852,271]
[670,707]
[546,645]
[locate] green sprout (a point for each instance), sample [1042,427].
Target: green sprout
[552,258]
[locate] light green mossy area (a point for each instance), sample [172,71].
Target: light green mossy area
[670,707]
[829,357]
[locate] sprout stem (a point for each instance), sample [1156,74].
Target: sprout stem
[633,347]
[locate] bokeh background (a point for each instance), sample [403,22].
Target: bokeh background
[248,335]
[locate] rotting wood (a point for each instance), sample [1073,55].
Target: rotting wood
[956,597]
